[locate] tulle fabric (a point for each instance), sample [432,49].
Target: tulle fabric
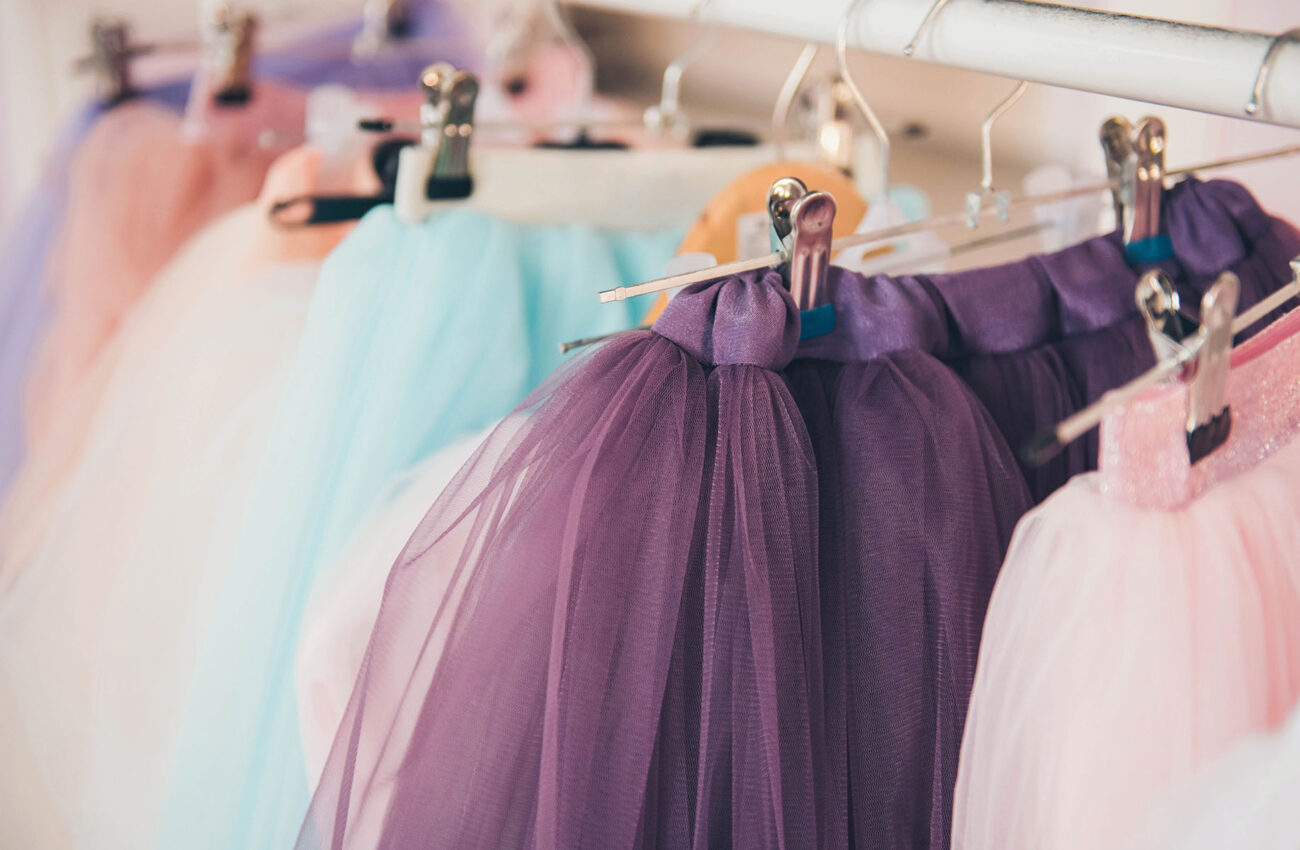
[27,519]
[919,496]
[1248,798]
[1040,338]
[139,191]
[99,624]
[707,717]
[25,307]
[1137,633]
[870,395]
[417,335]
[632,616]
[345,600]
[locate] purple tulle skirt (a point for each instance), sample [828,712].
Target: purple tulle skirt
[714,587]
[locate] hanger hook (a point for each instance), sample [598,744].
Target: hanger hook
[668,114]
[842,60]
[910,48]
[986,132]
[790,88]
[1265,66]
[560,19]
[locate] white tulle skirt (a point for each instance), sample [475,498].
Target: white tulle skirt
[106,594]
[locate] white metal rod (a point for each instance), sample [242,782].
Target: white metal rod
[1205,68]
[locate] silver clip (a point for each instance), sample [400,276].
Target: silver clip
[781,198]
[801,226]
[110,57]
[1117,144]
[1135,164]
[1209,420]
[1160,306]
[230,37]
[451,175]
[1149,146]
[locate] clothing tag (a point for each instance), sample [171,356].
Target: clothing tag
[752,235]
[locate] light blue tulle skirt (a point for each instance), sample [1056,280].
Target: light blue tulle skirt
[416,335]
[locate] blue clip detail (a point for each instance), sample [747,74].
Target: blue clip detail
[1152,249]
[816,322]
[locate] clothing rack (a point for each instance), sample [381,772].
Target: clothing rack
[1168,63]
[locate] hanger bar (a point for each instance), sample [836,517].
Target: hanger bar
[1048,444]
[622,293]
[1170,63]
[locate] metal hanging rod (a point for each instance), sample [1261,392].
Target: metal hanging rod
[1169,63]
[958,219]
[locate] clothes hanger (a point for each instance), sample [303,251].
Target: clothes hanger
[1208,418]
[1208,350]
[531,185]
[1154,145]
[667,116]
[229,39]
[842,62]
[1001,200]
[933,223]
[111,52]
[526,34]
[734,224]
[1257,99]
[382,23]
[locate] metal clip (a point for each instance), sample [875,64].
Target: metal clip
[438,167]
[110,57]
[230,38]
[382,21]
[801,225]
[451,177]
[1209,419]
[1135,164]
[1161,306]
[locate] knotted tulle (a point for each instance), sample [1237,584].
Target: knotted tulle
[626,652]
[753,323]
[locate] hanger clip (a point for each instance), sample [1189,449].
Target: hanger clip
[382,22]
[438,169]
[1135,164]
[230,38]
[111,52]
[1209,419]
[1161,308]
[801,229]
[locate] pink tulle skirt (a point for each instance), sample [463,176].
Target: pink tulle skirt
[1124,649]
